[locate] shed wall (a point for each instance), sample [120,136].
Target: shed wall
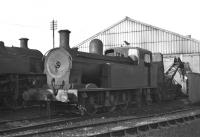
[145,36]
[194,87]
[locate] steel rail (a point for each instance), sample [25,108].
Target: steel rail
[73,127]
[47,123]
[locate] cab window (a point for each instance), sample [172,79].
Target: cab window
[119,54]
[109,52]
[147,58]
[133,52]
[134,55]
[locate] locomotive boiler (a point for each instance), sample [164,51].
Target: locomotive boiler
[21,68]
[120,77]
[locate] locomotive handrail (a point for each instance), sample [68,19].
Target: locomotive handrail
[110,58]
[112,89]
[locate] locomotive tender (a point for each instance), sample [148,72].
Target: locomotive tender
[21,68]
[122,76]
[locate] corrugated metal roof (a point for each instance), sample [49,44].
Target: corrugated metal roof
[145,36]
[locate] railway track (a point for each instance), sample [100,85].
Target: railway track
[106,127]
[35,119]
[20,125]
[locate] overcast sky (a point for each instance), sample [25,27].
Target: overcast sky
[84,18]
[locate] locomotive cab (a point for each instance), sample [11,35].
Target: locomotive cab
[135,53]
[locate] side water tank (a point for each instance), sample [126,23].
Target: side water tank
[96,47]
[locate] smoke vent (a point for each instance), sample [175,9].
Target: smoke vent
[24,43]
[189,36]
[64,38]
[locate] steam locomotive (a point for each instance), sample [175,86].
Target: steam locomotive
[21,68]
[120,77]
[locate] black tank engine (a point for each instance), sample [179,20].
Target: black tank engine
[21,68]
[119,77]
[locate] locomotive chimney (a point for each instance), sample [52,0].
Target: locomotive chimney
[64,38]
[1,44]
[24,43]
[2,48]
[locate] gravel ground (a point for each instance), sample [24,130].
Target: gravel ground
[155,108]
[152,109]
[173,131]
[191,129]
[22,113]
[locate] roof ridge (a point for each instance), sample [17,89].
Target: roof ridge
[139,22]
[124,19]
[174,33]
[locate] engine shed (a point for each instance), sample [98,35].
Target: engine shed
[130,32]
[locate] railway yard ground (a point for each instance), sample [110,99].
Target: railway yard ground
[167,119]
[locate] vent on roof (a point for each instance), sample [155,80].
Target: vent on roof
[189,36]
